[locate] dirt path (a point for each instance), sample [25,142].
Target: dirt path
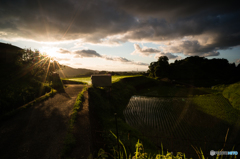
[84,131]
[39,131]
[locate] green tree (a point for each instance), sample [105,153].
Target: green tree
[151,69]
[162,68]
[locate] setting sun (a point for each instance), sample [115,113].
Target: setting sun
[51,52]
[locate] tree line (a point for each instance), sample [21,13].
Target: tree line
[196,70]
[108,72]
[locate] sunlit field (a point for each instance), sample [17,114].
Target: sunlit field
[88,79]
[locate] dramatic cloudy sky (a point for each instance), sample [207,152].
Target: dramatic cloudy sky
[122,34]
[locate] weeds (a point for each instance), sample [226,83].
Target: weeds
[17,94]
[139,154]
[70,141]
[37,100]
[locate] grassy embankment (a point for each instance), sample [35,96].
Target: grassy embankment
[47,95]
[70,140]
[232,93]
[19,95]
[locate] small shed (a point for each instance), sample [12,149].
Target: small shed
[101,80]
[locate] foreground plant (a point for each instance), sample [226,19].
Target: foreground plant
[143,155]
[138,154]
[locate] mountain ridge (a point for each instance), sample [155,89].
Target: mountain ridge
[67,71]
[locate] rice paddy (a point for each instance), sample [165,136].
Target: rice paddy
[191,118]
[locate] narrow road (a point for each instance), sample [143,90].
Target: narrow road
[39,131]
[82,132]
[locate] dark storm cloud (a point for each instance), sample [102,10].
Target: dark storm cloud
[172,9]
[146,51]
[63,19]
[86,53]
[224,28]
[169,55]
[194,48]
[175,20]
[95,21]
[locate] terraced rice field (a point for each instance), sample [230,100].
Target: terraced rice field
[190,118]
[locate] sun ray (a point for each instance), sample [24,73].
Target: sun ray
[47,72]
[41,64]
[73,19]
[24,71]
[61,70]
[44,19]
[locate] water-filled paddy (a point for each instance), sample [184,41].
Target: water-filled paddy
[190,118]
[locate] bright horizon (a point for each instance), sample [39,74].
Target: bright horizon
[122,35]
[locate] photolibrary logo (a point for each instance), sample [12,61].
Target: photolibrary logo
[212,153]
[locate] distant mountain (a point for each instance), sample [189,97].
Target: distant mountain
[72,72]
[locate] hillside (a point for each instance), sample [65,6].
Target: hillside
[8,47]
[232,93]
[67,71]
[8,53]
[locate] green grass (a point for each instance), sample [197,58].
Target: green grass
[77,106]
[17,94]
[81,79]
[88,79]
[70,141]
[37,100]
[167,89]
[232,93]
[217,106]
